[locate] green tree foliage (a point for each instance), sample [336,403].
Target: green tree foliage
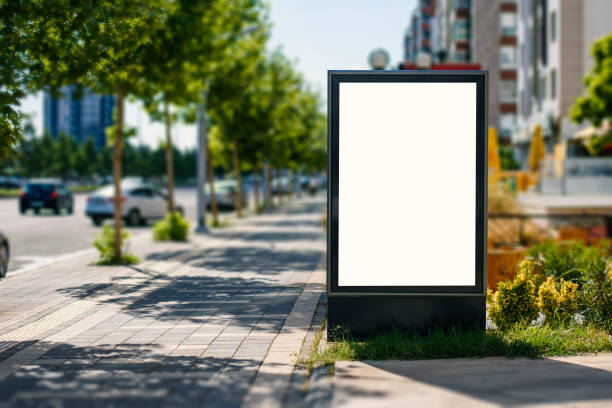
[596,105]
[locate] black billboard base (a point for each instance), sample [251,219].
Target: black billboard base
[363,317]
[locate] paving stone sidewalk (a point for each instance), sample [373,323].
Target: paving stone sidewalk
[218,321]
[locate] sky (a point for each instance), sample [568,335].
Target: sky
[317,34]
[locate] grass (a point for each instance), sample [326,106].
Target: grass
[222,222]
[14,192]
[9,192]
[532,342]
[126,259]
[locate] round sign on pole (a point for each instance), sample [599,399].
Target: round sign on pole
[378,59]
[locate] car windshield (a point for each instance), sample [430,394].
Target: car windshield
[40,188]
[126,186]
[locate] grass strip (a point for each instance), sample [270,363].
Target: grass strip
[456,342]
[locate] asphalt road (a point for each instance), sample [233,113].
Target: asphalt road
[39,238]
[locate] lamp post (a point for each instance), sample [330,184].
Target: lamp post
[202,153]
[203,149]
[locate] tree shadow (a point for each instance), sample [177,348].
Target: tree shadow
[62,374]
[498,380]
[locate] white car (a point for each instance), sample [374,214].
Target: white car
[140,203]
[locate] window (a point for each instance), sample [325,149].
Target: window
[542,88]
[508,24]
[507,90]
[553,26]
[462,29]
[507,56]
[553,83]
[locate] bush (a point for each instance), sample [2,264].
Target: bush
[558,307]
[596,297]
[172,228]
[105,244]
[569,261]
[515,302]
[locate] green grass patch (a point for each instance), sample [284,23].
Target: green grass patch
[83,189]
[532,342]
[9,192]
[221,222]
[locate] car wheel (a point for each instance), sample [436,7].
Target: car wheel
[37,211]
[133,217]
[57,210]
[71,209]
[3,261]
[97,221]
[22,210]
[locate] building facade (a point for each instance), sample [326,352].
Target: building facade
[480,33]
[493,44]
[553,49]
[81,117]
[418,35]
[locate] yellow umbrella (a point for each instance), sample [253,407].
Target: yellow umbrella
[494,161]
[537,151]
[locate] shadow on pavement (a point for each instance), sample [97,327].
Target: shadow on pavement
[124,375]
[502,381]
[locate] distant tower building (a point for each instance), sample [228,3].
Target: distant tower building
[88,116]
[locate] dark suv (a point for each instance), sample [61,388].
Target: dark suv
[47,193]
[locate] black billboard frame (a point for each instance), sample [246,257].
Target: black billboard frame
[464,304]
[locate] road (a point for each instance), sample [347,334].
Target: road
[37,239]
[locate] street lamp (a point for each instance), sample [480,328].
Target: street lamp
[203,149]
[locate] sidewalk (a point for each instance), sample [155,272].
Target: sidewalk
[580,381]
[218,321]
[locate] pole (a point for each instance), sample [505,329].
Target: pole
[202,148]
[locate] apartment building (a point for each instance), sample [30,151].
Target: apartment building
[493,44]
[417,37]
[554,38]
[88,115]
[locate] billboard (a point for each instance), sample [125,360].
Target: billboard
[407,183]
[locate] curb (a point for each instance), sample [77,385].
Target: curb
[320,390]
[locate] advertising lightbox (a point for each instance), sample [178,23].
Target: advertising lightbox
[407,183]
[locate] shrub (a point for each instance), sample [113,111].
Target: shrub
[596,297]
[515,302]
[105,244]
[569,261]
[172,228]
[558,307]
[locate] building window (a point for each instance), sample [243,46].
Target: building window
[553,26]
[507,90]
[462,29]
[543,88]
[508,24]
[553,83]
[507,56]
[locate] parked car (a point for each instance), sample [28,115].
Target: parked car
[4,254]
[46,193]
[9,184]
[225,193]
[141,202]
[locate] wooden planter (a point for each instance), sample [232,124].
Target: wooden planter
[502,263]
[574,234]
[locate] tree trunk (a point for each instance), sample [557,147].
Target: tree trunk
[291,184]
[279,174]
[211,182]
[238,180]
[268,195]
[169,158]
[117,173]
[256,185]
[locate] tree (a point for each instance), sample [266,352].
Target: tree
[124,30]
[45,44]
[596,105]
